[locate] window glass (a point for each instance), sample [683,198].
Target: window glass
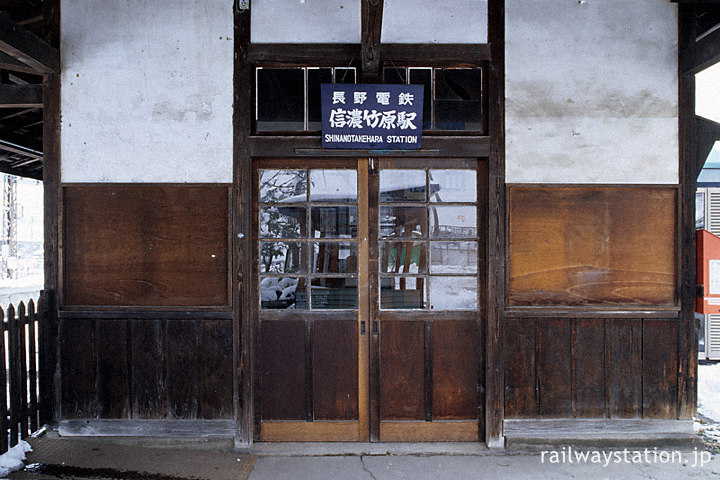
[280,102]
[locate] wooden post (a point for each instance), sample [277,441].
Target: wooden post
[372,11]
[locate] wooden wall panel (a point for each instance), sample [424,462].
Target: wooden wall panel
[592,246]
[181,379]
[335,370]
[113,376]
[145,245]
[520,378]
[402,377]
[660,374]
[215,382]
[282,357]
[78,367]
[147,369]
[554,368]
[624,347]
[455,370]
[589,367]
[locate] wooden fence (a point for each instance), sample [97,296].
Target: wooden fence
[19,348]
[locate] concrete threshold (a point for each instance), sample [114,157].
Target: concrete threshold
[309,449]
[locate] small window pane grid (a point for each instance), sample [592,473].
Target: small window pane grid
[428,234]
[308,248]
[288,99]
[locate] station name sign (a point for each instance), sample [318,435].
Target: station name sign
[369,116]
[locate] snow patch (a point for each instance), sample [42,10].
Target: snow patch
[13,459]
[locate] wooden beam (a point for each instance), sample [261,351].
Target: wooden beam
[708,132]
[315,54]
[23,45]
[703,54]
[21,96]
[9,63]
[371,13]
[451,54]
[19,149]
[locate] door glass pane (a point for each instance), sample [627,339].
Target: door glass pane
[334,222]
[454,257]
[335,257]
[453,185]
[282,222]
[402,185]
[333,186]
[403,257]
[453,222]
[402,292]
[453,293]
[282,257]
[403,222]
[281,292]
[334,293]
[283,186]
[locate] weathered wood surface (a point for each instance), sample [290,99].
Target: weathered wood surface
[146,245]
[592,246]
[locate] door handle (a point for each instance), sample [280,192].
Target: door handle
[374,327]
[362,327]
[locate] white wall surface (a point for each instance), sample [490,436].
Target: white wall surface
[591,91]
[147,91]
[311,21]
[446,21]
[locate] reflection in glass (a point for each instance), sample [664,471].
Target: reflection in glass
[334,293]
[334,222]
[402,292]
[453,185]
[453,222]
[453,293]
[402,185]
[458,99]
[283,185]
[403,257]
[282,292]
[335,257]
[403,222]
[281,257]
[453,257]
[282,222]
[333,186]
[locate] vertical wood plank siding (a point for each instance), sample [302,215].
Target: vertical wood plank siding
[591,368]
[146,368]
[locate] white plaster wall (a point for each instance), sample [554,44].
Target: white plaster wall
[147,91]
[446,21]
[299,21]
[591,91]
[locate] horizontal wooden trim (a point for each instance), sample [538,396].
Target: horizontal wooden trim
[584,312]
[289,146]
[302,315]
[421,316]
[147,314]
[23,45]
[703,54]
[366,153]
[438,431]
[597,429]
[146,428]
[289,431]
[592,185]
[21,96]
[435,55]
[145,184]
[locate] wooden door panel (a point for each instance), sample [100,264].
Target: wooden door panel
[402,377]
[455,370]
[282,360]
[335,370]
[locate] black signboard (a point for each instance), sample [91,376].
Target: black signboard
[387,117]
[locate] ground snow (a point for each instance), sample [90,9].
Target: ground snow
[707,423]
[14,458]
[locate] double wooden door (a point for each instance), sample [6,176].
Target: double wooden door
[370,281]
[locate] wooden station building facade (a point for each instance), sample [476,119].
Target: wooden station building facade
[216,271]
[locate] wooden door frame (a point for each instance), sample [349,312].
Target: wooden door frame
[246,146]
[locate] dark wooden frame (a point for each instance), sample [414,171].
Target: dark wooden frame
[248,146]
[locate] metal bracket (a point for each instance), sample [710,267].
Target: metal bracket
[242,5]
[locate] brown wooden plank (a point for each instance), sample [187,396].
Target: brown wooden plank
[284,431]
[113,375]
[181,356]
[371,14]
[335,370]
[520,379]
[592,246]
[624,367]
[32,366]
[21,96]
[455,374]
[22,372]
[215,348]
[660,369]
[25,46]
[554,368]
[402,393]
[589,361]
[78,364]
[146,245]
[147,377]
[282,356]
[452,431]
[4,425]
